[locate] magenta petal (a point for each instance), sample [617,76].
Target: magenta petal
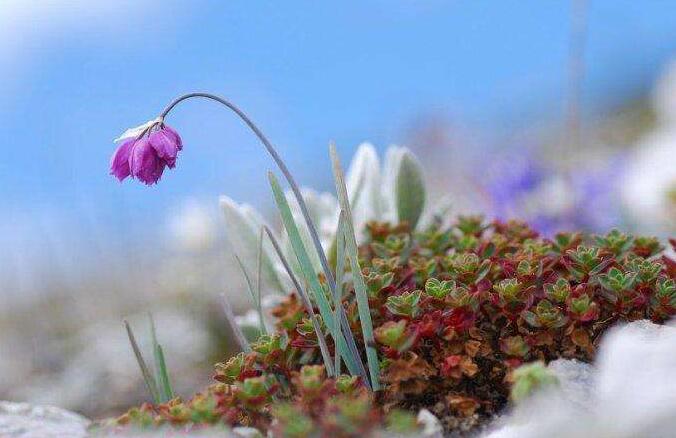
[119,162]
[165,145]
[176,138]
[144,162]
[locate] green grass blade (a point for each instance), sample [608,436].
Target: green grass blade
[309,275]
[323,347]
[259,270]
[352,347]
[240,339]
[145,371]
[358,279]
[340,270]
[161,375]
[363,308]
[166,393]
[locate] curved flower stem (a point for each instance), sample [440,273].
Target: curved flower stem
[344,323]
[280,163]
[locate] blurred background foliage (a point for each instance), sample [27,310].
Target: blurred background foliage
[561,113]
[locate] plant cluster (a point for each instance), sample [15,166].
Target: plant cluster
[455,311]
[263,391]
[437,317]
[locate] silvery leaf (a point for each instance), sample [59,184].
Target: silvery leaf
[404,185]
[322,208]
[388,209]
[363,183]
[243,225]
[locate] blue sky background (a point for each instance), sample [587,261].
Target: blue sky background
[73,75]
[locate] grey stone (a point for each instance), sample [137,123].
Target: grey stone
[22,420]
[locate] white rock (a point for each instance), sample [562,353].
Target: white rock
[635,390]
[22,420]
[431,425]
[629,393]
[575,378]
[247,432]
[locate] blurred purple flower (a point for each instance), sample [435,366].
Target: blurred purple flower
[551,200]
[511,179]
[145,156]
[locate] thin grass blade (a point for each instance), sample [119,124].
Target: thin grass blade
[161,374]
[164,383]
[145,371]
[310,277]
[340,270]
[358,279]
[240,339]
[249,283]
[255,298]
[259,270]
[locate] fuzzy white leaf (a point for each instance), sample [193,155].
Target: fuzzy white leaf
[322,208]
[136,131]
[243,224]
[391,166]
[363,181]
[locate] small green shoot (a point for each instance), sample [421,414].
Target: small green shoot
[152,383]
[161,375]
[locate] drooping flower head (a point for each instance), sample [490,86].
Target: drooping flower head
[145,152]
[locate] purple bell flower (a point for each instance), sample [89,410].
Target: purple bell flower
[151,148]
